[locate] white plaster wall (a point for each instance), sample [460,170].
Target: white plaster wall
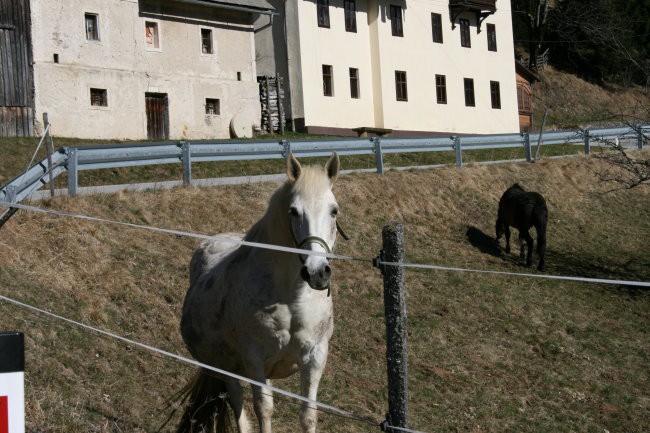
[343,50]
[416,54]
[121,63]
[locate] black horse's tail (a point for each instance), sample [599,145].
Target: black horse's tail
[540,226]
[206,408]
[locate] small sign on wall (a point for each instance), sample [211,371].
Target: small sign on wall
[12,382]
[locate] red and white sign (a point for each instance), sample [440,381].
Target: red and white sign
[12,402]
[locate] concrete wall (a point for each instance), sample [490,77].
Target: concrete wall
[121,63]
[377,54]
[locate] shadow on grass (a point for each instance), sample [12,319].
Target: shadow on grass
[485,244]
[580,264]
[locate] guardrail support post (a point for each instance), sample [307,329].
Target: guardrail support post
[187,163]
[527,150]
[379,157]
[73,180]
[586,138]
[457,148]
[395,310]
[50,150]
[12,382]
[286,148]
[639,136]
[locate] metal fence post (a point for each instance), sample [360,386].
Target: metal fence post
[379,157]
[187,162]
[457,148]
[586,138]
[395,310]
[639,136]
[50,150]
[527,150]
[12,382]
[73,180]
[286,148]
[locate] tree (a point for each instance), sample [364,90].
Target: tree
[532,15]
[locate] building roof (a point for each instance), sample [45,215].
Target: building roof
[261,5]
[526,73]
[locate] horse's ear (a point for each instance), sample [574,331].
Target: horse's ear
[333,166]
[293,168]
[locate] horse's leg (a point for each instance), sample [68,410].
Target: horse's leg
[522,241]
[262,398]
[507,233]
[310,374]
[529,242]
[236,400]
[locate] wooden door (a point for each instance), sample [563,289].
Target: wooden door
[157,116]
[16,70]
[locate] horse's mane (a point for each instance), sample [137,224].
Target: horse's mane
[517,186]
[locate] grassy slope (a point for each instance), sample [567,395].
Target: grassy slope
[487,353]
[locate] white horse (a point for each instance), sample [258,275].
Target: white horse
[262,313]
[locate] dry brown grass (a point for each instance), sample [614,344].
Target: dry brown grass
[487,353]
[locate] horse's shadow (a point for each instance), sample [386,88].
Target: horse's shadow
[485,244]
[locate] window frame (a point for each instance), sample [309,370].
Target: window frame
[495,94]
[95,18]
[211,41]
[401,86]
[436,28]
[441,89]
[323,13]
[212,102]
[158,38]
[328,80]
[491,37]
[350,15]
[470,95]
[465,33]
[355,92]
[103,97]
[396,21]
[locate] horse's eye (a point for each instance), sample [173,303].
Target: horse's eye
[335,212]
[293,211]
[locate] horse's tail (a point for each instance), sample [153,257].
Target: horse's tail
[206,409]
[540,225]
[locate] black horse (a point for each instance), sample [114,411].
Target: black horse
[522,210]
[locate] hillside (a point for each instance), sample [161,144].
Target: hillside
[487,353]
[573,103]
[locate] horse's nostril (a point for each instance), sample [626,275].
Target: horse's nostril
[304,273]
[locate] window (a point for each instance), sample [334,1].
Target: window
[206,41]
[212,106]
[152,39]
[464,33]
[492,37]
[98,98]
[436,27]
[350,8]
[441,89]
[495,94]
[524,98]
[323,11]
[354,83]
[400,86]
[469,92]
[328,86]
[92,27]
[396,20]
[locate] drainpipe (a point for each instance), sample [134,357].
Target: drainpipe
[288,80]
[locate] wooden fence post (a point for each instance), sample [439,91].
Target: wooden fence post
[50,150]
[12,382]
[395,310]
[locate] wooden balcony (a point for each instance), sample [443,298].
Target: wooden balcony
[481,8]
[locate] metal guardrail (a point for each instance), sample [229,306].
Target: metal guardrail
[75,159]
